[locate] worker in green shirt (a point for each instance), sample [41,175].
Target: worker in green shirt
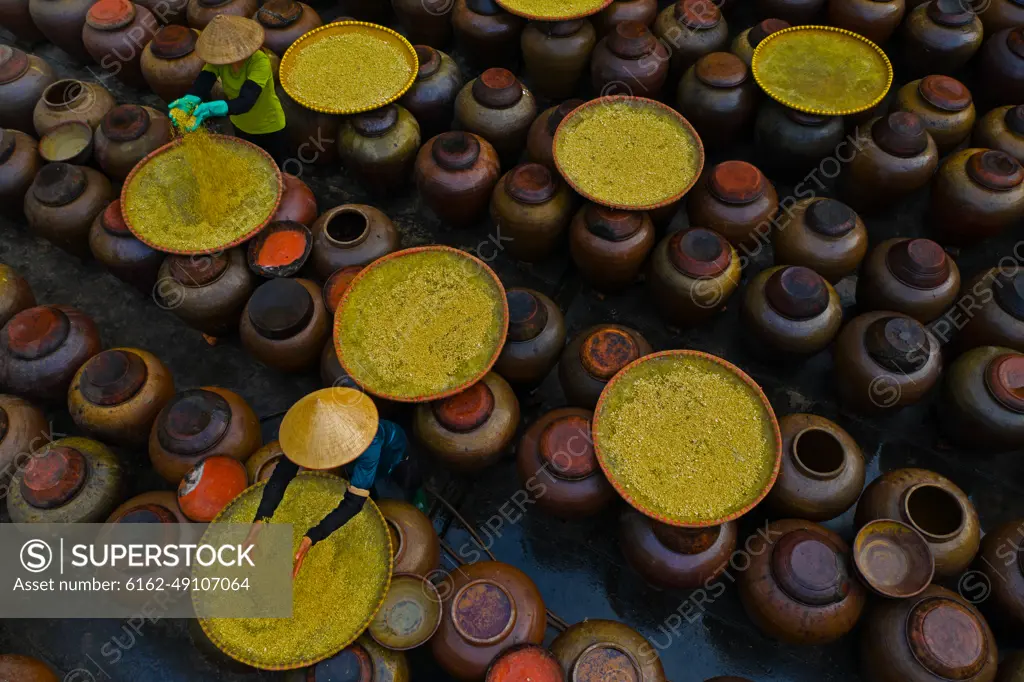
[230,46]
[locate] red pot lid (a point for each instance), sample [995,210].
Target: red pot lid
[110,15]
[455,150]
[1004,378]
[190,271]
[736,182]
[612,224]
[606,661]
[337,285]
[632,40]
[125,123]
[721,70]
[944,93]
[898,343]
[13,63]
[280,308]
[568,448]
[193,421]
[112,377]
[351,665]
[605,351]
[112,220]
[173,42]
[699,253]
[466,410]
[525,662]
[37,332]
[527,315]
[901,134]
[797,292]
[830,218]
[430,61]
[376,123]
[995,170]
[483,612]
[810,568]
[147,513]
[531,183]
[497,88]
[53,478]
[947,638]
[918,263]
[698,14]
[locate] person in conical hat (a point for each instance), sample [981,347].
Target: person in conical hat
[230,46]
[329,428]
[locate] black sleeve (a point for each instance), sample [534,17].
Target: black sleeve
[283,474]
[203,84]
[246,100]
[349,506]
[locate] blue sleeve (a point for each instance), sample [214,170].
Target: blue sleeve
[364,469]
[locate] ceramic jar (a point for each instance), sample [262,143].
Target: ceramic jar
[1001,129]
[351,234]
[736,200]
[718,97]
[556,54]
[260,465]
[692,273]
[593,357]
[884,362]
[488,34]
[499,109]
[455,173]
[944,106]
[298,203]
[800,589]
[431,99]
[609,246]
[876,20]
[201,12]
[793,142]
[490,607]
[910,276]
[71,100]
[796,12]
[23,429]
[62,203]
[1001,14]
[19,164]
[470,430]
[414,541]
[363,657]
[536,335]
[117,394]
[998,317]
[557,465]
[15,294]
[169,62]
[1001,67]
[1002,562]
[977,193]
[114,34]
[531,207]
[824,235]
[744,44]
[23,78]
[691,29]
[156,506]
[200,423]
[311,134]
[71,480]
[822,470]
[940,37]
[895,157]
[284,324]
[540,140]
[597,649]
[127,134]
[1012,668]
[116,248]
[284,21]
[936,635]
[25,669]
[61,21]
[629,61]
[674,558]
[643,11]
[982,408]
[16,18]
[379,147]
[792,309]
[426,22]
[208,293]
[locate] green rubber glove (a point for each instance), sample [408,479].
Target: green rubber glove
[206,110]
[188,103]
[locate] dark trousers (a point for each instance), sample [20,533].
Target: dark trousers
[275,144]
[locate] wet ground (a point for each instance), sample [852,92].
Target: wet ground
[577,566]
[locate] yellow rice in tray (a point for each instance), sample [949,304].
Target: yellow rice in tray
[553,9]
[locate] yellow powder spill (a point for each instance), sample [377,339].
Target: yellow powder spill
[553,9]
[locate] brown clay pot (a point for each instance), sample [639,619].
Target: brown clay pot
[1002,562]
[156,506]
[593,357]
[362,657]
[19,164]
[630,60]
[114,35]
[800,587]
[910,276]
[379,147]
[792,142]
[540,140]
[981,407]
[71,100]
[200,423]
[558,467]
[117,394]
[597,649]
[63,202]
[876,20]
[824,235]
[675,558]
[284,324]
[498,108]
[414,541]
[556,54]
[298,203]
[333,374]
[426,22]
[531,207]
[25,669]
[1012,668]
[208,293]
[431,99]
[822,470]
[15,294]
[692,274]
[456,173]
[488,35]
[61,21]
[23,78]
[127,134]
[791,308]
[351,234]
[936,635]
[312,136]
[610,246]
[884,362]
[940,37]
[977,193]
[169,62]
[997,318]
[744,44]
[796,12]
[167,11]
[15,17]
[117,249]
[283,21]
[23,429]
[1001,67]
[536,335]
[490,607]
[944,106]
[201,12]
[1001,129]
[643,11]
[718,96]
[472,429]
[736,200]
[1001,14]
[691,29]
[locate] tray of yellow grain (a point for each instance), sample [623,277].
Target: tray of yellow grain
[348,67]
[687,438]
[421,324]
[553,10]
[822,70]
[339,590]
[629,153]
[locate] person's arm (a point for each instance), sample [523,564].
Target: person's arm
[203,84]
[273,493]
[364,471]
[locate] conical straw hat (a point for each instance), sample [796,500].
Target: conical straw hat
[328,428]
[229,39]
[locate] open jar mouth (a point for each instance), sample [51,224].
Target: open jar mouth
[397,539]
[818,453]
[347,227]
[934,511]
[64,93]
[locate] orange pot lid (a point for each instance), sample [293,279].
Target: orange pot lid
[209,486]
[109,15]
[525,662]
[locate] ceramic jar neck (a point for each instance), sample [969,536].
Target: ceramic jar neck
[810,568]
[686,540]
[900,134]
[721,70]
[125,123]
[376,123]
[612,224]
[455,150]
[736,182]
[764,29]
[66,95]
[604,657]
[1004,378]
[561,29]
[466,411]
[995,170]
[430,61]
[944,93]
[59,184]
[37,332]
[1015,41]
[631,40]
[531,183]
[497,89]
[347,228]
[280,308]
[113,377]
[173,42]
[483,612]
[699,253]
[818,454]
[527,315]
[918,263]
[197,271]
[797,293]
[566,446]
[898,344]
[563,110]
[53,478]
[830,218]
[605,351]
[276,14]
[934,511]
[488,8]
[13,64]
[193,422]
[697,15]
[949,13]
[147,513]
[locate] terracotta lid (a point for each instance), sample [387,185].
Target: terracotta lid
[279,13]
[611,223]
[897,343]
[173,42]
[568,448]
[488,8]
[455,150]
[497,89]
[191,271]
[901,134]
[377,122]
[995,170]
[147,513]
[525,662]
[810,568]
[1004,378]
[1014,119]
[58,184]
[806,119]
[698,14]
[8,142]
[280,308]
[193,421]
[112,220]
[1009,293]
[337,285]
[483,612]
[605,661]
[13,63]
[1015,39]
[37,332]
[686,540]
[945,93]
[830,218]
[531,183]
[607,350]
[125,123]
[527,315]
[918,263]
[113,377]
[632,40]
[280,250]
[430,61]
[721,70]
[466,410]
[950,12]
[110,15]
[561,29]
[765,28]
[797,292]
[53,478]
[351,665]
[560,112]
[698,252]
[947,638]
[736,182]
